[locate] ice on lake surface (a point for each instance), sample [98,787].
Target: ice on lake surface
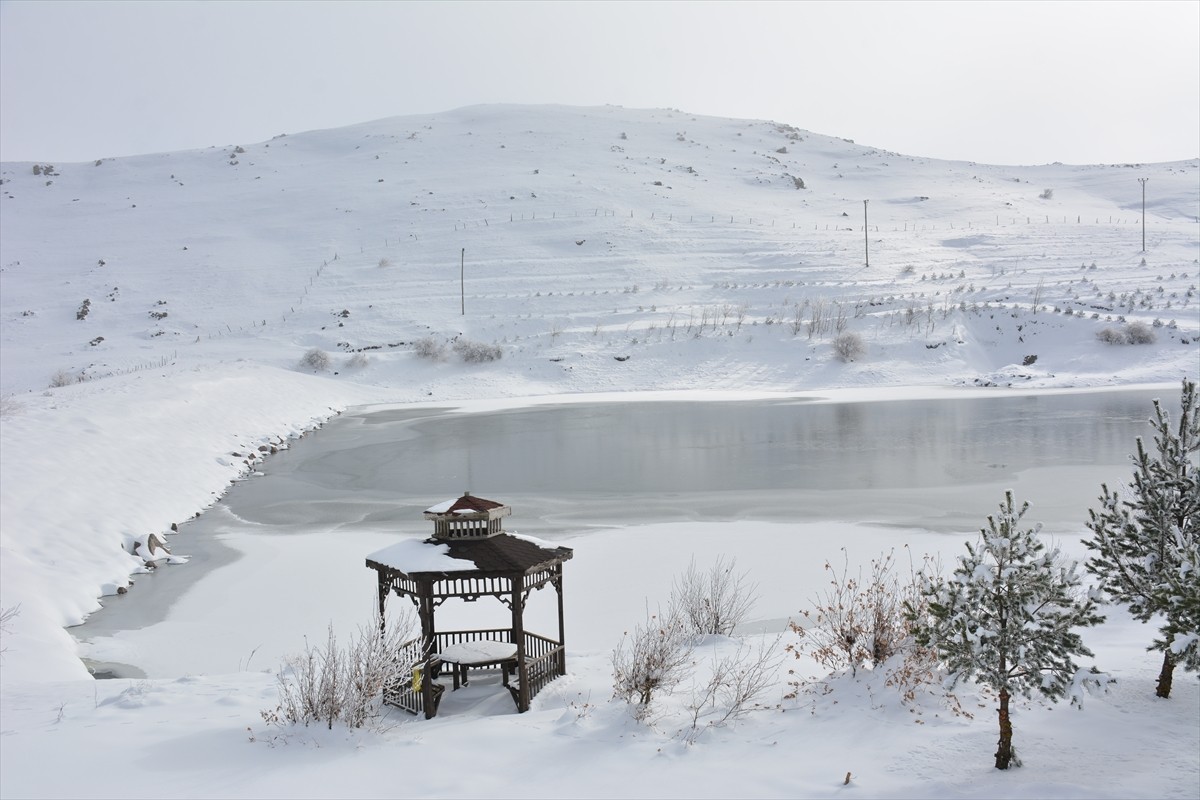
[910,462]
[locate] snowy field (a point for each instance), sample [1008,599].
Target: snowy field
[166,316]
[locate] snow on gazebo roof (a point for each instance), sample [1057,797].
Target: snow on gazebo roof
[504,553]
[420,555]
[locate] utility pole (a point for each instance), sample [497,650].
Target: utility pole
[866,237]
[1142,181]
[462,287]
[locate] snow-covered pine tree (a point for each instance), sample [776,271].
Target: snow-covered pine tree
[1007,617]
[1146,544]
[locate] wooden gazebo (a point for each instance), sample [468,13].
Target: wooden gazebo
[470,556]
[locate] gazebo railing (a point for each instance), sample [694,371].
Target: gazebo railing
[444,639]
[545,660]
[412,690]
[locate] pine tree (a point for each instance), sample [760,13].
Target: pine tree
[1006,617]
[1146,547]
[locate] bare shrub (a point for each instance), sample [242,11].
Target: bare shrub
[849,346]
[1047,194]
[654,658]
[1140,333]
[385,262]
[1112,336]
[855,622]
[733,689]
[344,683]
[715,601]
[430,348]
[658,656]
[477,352]
[797,323]
[357,361]
[316,359]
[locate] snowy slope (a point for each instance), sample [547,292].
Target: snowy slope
[603,250]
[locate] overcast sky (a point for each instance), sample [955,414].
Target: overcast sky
[1002,82]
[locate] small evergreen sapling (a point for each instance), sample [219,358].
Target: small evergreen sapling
[1007,618]
[1146,548]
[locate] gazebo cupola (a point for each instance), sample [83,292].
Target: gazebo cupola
[467,518]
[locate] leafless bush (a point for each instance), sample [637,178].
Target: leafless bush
[818,321]
[734,687]
[855,622]
[344,684]
[849,346]
[477,352]
[385,262]
[430,348]
[797,323]
[315,359]
[714,601]
[1046,194]
[654,658]
[1112,336]
[357,361]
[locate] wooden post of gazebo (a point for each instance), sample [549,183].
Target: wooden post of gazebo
[470,556]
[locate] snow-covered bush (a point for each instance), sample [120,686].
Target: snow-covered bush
[1146,548]
[1007,618]
[357,361]
[714,601]
[430,348]
[1133,333]
[315,359]
[1140,333]
[344,683]
[10,406]
[62,378]
[1047,194]
[477,352]
[849,346]
[385,262]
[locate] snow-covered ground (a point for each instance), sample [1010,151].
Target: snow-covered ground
[156,311]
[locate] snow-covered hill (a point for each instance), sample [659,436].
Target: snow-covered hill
[582,235]
[162,313]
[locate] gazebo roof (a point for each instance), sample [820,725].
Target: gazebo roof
[468,504]
[502,554]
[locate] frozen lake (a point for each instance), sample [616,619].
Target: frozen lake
[567,467]
[574,469]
